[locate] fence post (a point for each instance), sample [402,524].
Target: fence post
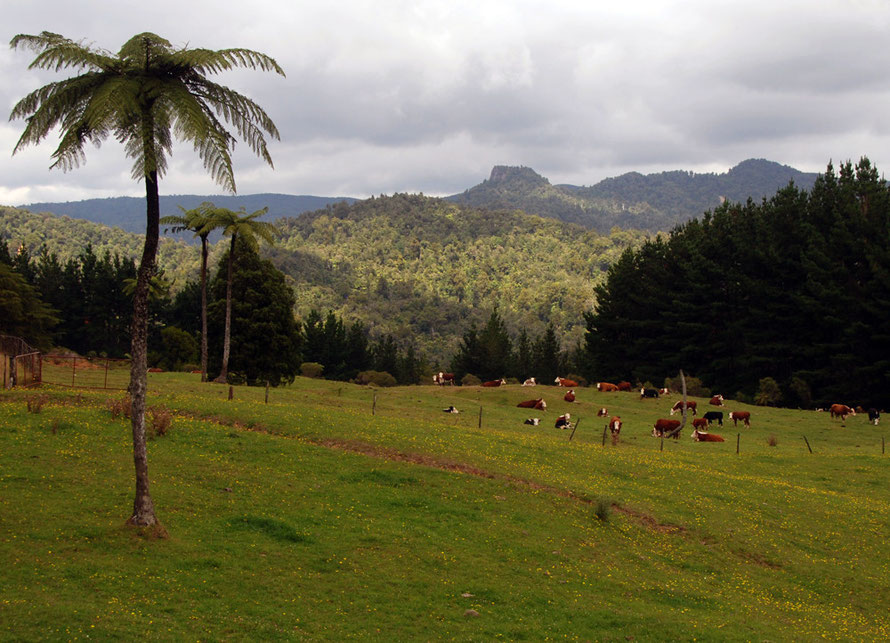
[105,383]
[605,428]
[808,443]
[480,417]
[882,445]
[231,392]
[267,391]
[661,448]
[738,438]
[73,369]
[374,406]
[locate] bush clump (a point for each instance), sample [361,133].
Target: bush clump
[772,440]
[375,378]
[470,380]
[602,509]
[120,407]
[768,392]
[582,381]
[311,369]
[160,419]
[36,403]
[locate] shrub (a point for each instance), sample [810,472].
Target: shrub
[582,381]
[311,369]
[800,393]
[36,402]
[120,407]
[159,421]
[694,386]
[375,378]
[512,380]
[768,392]
[470,380]
[772,440]
[602,509]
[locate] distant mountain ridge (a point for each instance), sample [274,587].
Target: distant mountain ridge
[651,202]
[648,202]
[128,213]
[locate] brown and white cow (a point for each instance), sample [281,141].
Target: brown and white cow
[493,383]
[530,382]
[615,425]
[603,412]
[539,404]
[664,391]
[625,386]
[561,381]
[744,416]
[569,396]
[704,436]
[663,426]
[690,406]
[841,411]
[441,378]
[649,392]
[562,422]
[717,400]
[700,423]
[606,387]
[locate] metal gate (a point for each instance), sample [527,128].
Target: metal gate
[85,372]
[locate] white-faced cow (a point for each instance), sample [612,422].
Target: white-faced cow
[615,425]
[561,381]
[569,396]
[649,392]
[451,409]
[539,404]
[563,421]
[494,383]
[603,412]
[530,382]
[703,436]
[663,426]
[606,387]
[690,406]
[443,378]
[532,421]
[717,400]
[874,416]
[744,416]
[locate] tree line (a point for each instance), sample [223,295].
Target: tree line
[795,288]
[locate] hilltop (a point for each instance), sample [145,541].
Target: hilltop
[650,202]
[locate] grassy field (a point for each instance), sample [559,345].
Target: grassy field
[311,518]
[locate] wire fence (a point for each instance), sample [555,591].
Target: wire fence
[17,363]
[86,372]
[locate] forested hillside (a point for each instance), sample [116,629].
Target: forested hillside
[417,268]
[423,269]
[794,288]
[67,237]
[649,202]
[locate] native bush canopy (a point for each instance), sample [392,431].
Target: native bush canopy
[795,288]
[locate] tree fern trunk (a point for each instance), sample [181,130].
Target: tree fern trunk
[204,308]
[143,508]
[227,336]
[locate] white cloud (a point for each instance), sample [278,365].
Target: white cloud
[426,95]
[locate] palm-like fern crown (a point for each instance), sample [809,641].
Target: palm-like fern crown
[145,96]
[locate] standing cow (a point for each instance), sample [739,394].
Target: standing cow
[841,411]
[714,416]
[663,426]
[443,378]
[744,416]
[690,406]
[615,428]
[874,416]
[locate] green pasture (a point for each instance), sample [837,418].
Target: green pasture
[329,514]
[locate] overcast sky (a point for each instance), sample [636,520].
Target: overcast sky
[386,96]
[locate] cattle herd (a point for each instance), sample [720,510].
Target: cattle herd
[663,427]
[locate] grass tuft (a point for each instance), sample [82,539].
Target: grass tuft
[772,440]
[36,403]
[602,509]
[160,420]
[275,529]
